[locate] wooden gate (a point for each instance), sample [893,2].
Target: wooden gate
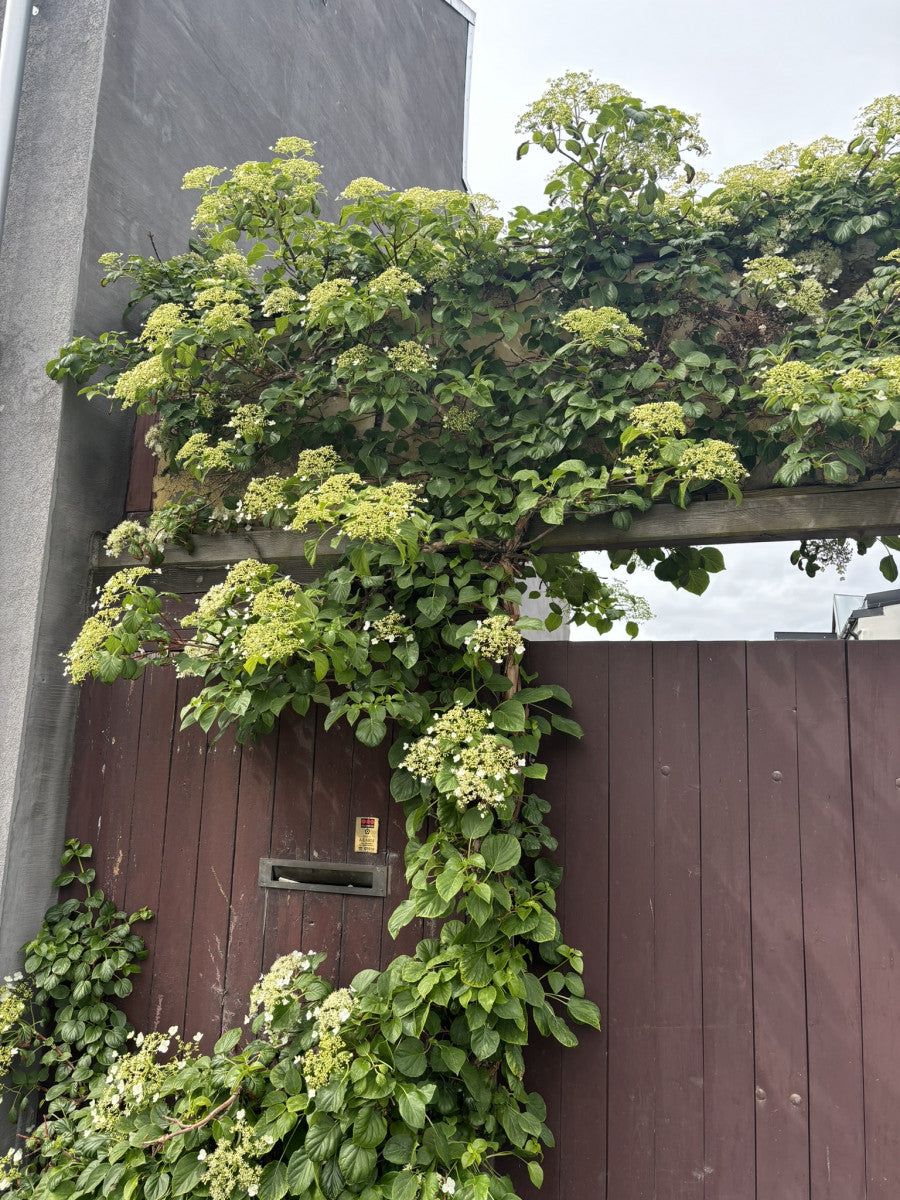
[730,833]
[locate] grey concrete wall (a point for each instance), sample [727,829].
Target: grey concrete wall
[120,100]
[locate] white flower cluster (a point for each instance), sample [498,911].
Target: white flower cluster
[495,638]
[477,767]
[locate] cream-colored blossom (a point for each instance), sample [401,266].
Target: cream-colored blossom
[658,419]
[601,327]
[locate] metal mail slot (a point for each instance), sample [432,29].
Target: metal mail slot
[306,876]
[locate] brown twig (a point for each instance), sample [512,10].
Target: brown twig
[211,1116]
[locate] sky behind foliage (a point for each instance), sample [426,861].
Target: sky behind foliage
[759,74]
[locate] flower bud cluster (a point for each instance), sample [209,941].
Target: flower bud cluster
[125,535]
[161,323]
[482,766]
[249,422]
[138,1079]
[395,285]
[357,358]
[460,420]
[379,511]
[600,327]
[328,292]
[198,453]
[280,984]
[411,357]
[281,300]
[661,419]
[10,1169]
[330,1055]
[230,1168]
[140,381]
[495,638]
[786,383]
[364,188]
[264,496]
[713,460]
[391,628]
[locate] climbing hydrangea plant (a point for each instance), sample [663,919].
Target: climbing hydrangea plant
[421,391]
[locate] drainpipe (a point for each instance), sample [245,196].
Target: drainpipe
[16,22]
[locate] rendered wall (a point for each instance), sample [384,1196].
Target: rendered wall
[120,100]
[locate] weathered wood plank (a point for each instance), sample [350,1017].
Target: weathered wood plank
[771,516]
[830,933]
[328,839]
[633,1076]
[779,997]
[679,1166]
[148,823]
[728,1068]
[290,829]
[363,916]
[253,831]
[578,788]
[874,674]
[212,895]
[172,928]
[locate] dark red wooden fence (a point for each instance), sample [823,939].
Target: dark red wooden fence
[730,833]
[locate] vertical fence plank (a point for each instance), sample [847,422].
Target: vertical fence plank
[782,1146]
[836,1130]
[580,791]
[679,1156]
[148,823]
[175,908]
[212,896]
[728,1069]
[253,832]
[290,829]
[323,911]
[631,1135]
[874,678]
[363,916]
[543,1057]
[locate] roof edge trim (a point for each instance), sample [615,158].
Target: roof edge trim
[463,9]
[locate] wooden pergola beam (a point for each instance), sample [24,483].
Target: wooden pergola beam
[778,515]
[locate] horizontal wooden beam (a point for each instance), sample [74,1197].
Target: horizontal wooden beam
[771,516]
[782,515]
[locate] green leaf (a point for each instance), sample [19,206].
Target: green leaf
[273,1182]
[485,1042]
[322,1138]
[356,1163]
[409,1057]
[500,851]
[186,1174]
[888,568]
[402,915]
[227,1042]
[585,1012]
[536,1174]
[157,1186]
[411,1103]
[405,1186]
[301,1173]
[475,824]
[370,1127]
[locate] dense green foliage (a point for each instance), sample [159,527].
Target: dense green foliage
[425,390]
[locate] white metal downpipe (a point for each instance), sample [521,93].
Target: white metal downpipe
[16,22]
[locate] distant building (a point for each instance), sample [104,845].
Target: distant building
[853,618]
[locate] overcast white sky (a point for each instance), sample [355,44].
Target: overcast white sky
[759,73]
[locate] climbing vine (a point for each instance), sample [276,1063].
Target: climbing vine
[419,390]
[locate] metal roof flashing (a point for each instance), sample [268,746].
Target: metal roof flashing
[463,9]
